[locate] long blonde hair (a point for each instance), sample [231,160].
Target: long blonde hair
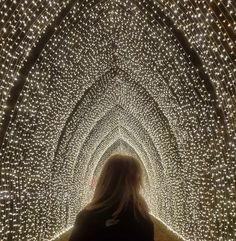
[120,181]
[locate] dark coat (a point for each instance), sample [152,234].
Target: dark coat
[92,226]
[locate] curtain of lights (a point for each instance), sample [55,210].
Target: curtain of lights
[82,79]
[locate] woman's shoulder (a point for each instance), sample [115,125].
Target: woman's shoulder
[86,214]
[82,215]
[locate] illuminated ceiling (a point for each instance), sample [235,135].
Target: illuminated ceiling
[81,80]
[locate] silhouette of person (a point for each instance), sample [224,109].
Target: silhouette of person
[117,212]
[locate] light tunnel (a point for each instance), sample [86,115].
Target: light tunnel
[83,79]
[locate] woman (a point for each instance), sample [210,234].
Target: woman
[117,211]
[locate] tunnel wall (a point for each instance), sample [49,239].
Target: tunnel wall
[81,80]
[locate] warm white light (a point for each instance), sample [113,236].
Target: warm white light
[154,79]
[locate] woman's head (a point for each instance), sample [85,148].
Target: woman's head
[120,181]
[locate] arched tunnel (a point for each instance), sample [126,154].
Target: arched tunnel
[82,79]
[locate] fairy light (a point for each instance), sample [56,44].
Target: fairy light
[83,79]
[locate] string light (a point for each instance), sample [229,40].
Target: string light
[81,80]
